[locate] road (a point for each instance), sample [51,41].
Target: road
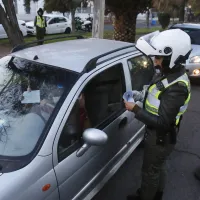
[140,24]
[181,185]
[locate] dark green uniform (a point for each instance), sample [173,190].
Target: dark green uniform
[153,169]
[166,96]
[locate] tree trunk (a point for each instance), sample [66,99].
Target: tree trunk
[182,11]
[147,17]
[73,19]
[125,26]
[9,21]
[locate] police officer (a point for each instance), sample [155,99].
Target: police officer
[164,102]
[40,24]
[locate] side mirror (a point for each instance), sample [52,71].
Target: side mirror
[92,137]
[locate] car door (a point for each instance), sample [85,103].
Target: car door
[2,32]
[62,24]
[104,106]
[141,70]
[53,26]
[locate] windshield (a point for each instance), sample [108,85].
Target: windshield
[29,94]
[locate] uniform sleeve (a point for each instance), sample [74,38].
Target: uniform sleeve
[35,22]
[170,102]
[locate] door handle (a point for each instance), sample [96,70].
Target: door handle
[123,122]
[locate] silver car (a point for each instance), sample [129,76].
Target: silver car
[64,130]
[193,63]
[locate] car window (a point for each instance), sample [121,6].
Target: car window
[141,70]
[54,21]
[62,20]
[97,106]
[30,96]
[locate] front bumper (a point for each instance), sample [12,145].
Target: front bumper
[31,31]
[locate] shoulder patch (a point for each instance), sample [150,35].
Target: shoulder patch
[160,86]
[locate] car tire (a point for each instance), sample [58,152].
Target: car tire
[90,28]
[68,30]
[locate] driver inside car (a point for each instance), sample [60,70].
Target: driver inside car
[77,122]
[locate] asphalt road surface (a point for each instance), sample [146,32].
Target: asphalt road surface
[181,184]
[140,24]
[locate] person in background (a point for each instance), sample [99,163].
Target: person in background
[40,24]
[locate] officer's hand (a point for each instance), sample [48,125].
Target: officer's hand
[129,106]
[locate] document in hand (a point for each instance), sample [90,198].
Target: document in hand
[128,96]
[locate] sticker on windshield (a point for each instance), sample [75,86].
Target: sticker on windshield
[31,97]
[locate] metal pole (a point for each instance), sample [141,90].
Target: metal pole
[98,19]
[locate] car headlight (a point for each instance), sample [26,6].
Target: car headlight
[196,72]
[195,59]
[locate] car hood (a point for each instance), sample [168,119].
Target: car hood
[31,23]
[195,51]
[21,22]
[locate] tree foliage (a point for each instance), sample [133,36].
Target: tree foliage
[126,12]
[171,6]
[118,6]
[164,19]
[195,6]
[27,5]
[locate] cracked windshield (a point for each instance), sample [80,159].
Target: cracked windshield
[29,96]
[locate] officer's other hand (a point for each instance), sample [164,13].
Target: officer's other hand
[129,106]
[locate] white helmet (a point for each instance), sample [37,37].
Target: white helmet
[174,43]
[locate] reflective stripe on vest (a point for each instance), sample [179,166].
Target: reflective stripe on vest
[152,102]
[40,22]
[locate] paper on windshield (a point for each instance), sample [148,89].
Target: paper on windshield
[128,96]
[31,97]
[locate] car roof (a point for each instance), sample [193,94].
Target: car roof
[73,54]
[53,15]
[187,25]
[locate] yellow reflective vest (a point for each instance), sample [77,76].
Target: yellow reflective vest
[152,102]
[40,22]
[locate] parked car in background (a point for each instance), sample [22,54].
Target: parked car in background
[70,132]
[22,27]
[55,24]
[193,63]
